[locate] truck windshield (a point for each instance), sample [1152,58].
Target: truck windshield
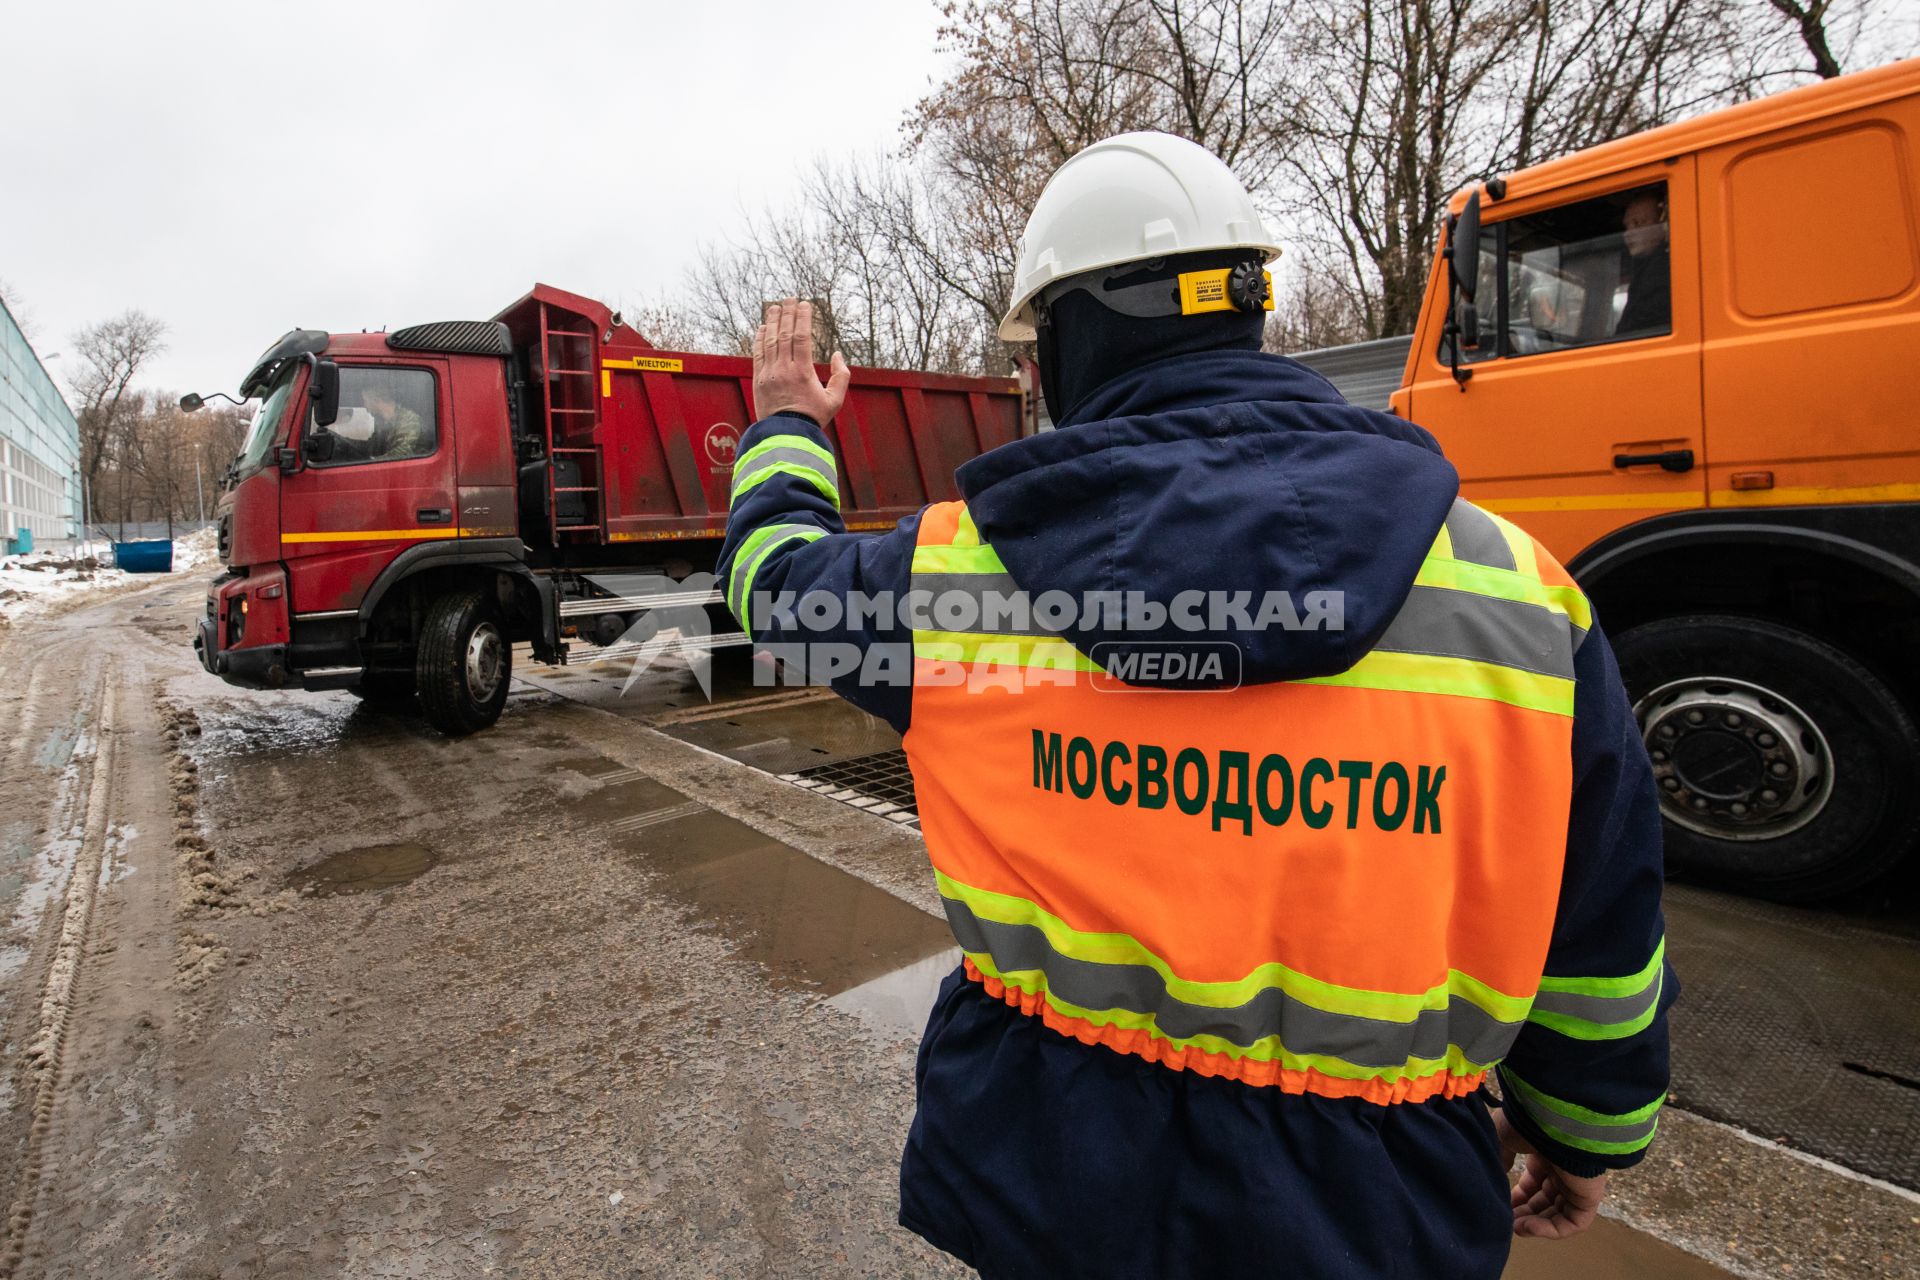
[266,420]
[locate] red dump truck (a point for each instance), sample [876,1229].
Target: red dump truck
[408,505]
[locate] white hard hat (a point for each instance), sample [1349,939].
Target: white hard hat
[1130,198]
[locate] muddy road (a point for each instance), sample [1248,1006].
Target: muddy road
[296,988]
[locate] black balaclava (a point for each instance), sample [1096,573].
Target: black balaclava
[1084,344]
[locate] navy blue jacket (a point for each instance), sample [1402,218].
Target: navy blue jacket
[1032,1154]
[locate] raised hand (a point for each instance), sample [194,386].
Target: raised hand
[784,378]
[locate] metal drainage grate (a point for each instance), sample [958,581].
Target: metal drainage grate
[880,783]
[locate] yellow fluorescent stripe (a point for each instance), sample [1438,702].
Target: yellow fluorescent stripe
[1266,1049]
[982,649]
[1673,501]
[1788,497]
[374,535]
[1124,949]
[957,559]
[799,471]
[1520,542]
[1458,677]
[1481,580]
[1571,602]
[773,443]
[1506,584]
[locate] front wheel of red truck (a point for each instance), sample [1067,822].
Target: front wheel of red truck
[1785,768]
[465,662]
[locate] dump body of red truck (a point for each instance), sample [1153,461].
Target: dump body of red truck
[652,433]
[410,504]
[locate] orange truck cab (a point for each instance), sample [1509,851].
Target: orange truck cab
[1689,362]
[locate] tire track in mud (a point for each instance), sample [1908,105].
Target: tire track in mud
[44,1058]
[207,886]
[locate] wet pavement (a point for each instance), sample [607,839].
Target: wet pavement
[1800,1025]
[631,984]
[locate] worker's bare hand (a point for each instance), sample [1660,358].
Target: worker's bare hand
[784,377]
[1548,1202]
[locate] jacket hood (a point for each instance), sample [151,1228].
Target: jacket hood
[1300,519]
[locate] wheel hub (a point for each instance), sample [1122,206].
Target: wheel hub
[1734,760]
[485,654]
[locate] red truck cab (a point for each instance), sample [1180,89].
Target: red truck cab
[407,506]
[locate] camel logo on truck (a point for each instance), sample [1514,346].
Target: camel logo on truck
[723,442]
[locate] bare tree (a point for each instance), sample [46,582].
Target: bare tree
[665,324]
[17,307]
[110,355]
[1353,122]
[864,245]
[1039,80]
[1811,20]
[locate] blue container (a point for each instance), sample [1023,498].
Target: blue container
[22,542]
[144,557]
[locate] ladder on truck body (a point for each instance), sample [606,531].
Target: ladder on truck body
[566,359]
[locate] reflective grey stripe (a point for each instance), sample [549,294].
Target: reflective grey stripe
[764,461]
[1463,624]
[1636,1131]
[1008,602]
[1138,988]
[1607,1011]
[1476,538]
[740,581]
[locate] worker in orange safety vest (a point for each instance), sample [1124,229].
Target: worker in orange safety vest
[1280,800]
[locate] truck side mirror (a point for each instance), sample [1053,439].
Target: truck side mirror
[1463,248]
[1463,280]
[190,402]
[325,393]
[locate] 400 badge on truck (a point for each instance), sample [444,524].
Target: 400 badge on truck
[408,506]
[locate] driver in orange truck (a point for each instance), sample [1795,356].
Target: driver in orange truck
[1649,307]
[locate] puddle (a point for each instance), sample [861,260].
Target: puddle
[902,999]
[783,739]
[59,746]
[368,870]
[814,927]
[1606,1251]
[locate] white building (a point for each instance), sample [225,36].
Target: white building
[39,448]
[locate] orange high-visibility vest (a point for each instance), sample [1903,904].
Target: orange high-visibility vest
[1342,885]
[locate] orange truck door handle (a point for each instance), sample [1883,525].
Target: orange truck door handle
[434,515]
[1666,460]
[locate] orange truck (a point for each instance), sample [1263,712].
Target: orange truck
[1688,362]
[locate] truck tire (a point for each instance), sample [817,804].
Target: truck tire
[1785,767]
[465,662]
[387,690]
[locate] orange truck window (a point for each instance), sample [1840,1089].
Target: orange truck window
[1798,248]
[1582,274]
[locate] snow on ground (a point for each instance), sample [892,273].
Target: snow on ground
[31,582]
[195,552]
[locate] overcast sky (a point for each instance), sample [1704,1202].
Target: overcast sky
[241,169]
